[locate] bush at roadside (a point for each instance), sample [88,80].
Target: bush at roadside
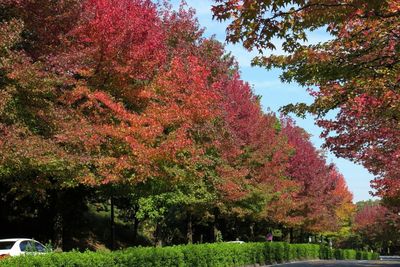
[217,254]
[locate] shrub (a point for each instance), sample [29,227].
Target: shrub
[278,249]
[291,251]
[326,253]
[67,259]
[269,256]
[375,256]
[349,254]
[212,255]
[168,256]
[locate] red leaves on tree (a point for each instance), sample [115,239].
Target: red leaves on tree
[242,110]
[177,101]
[356,72]
[323,196]
[369,215]
[366,136]
[117,94]
[116,42]
[45,23]
[376,224]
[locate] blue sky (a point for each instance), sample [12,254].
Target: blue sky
[276,94]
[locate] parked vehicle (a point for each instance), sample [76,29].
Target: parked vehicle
[19,246]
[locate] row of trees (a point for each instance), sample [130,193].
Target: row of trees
[373,227]
[355,75]
[126,100]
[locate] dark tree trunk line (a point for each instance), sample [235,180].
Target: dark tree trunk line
[189,228]
[58,221]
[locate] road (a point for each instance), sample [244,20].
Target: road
[385,262]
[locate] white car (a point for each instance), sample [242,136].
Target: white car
[236,242]
[19,246]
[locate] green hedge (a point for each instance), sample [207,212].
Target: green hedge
[346,254]
[217,254]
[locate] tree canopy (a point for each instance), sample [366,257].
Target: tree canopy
[127,100]
[353,77]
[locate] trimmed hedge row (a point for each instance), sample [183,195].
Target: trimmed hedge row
[346,254]
[211,255]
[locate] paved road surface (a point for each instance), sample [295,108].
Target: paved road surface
[381,263]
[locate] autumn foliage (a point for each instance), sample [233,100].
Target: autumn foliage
[355,74]
[377,227]
[129,95]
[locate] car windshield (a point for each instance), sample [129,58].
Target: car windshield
[39,247]
[31,246]
[6,244]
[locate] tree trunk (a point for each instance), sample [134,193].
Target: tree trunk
[135,230]
[215,225]
[215,232]
[285,235]
[236,229]
[112,224]
[302,236]
[58,223]
[189,228]
[157,236]
[252,231]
